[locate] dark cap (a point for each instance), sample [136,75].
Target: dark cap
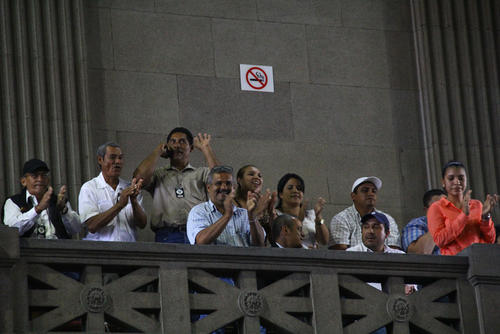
[33,165]
[380,217]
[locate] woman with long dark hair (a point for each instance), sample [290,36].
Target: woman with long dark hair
[291,189]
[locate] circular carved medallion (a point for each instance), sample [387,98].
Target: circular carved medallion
[399,308]
[94,299]
[251,303]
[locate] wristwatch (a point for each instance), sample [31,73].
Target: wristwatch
[486,217]
[321,222]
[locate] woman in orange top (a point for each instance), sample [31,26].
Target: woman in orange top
[457,221]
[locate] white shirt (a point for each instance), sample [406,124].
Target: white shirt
[362,248]
[96,196]
[13,217]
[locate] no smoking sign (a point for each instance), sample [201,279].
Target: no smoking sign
[256,78]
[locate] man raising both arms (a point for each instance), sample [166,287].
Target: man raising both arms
[178,187]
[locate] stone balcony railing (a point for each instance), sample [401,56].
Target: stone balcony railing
[67,286]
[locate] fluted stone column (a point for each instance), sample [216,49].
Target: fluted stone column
[43,86]
[458,60]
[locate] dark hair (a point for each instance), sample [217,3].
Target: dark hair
[277,225]
[101,150]
[239,175]
[281,185]
[429,194]
[453,163]
[185,131]
[219,170]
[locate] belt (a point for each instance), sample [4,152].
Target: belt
[172,228]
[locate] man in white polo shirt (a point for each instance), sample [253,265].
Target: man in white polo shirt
[110,207]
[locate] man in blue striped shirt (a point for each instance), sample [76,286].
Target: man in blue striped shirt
[416,237]
[219,221]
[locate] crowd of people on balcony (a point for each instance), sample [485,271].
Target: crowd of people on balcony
[206,205]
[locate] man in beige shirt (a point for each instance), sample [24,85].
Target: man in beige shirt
[178,187]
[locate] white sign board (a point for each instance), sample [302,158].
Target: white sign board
[256,78]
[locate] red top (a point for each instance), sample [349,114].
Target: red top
[453,231]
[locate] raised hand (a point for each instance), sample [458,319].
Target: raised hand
[202,141]
[318,208]
[465,207]
[129,192]
[256,204]
[271,208]
[163,150]
[137,186]
[45,201]
[62,198]
[228,203]
[489,203]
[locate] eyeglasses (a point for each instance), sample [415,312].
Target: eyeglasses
[38,174]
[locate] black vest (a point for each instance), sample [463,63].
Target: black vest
[54,214]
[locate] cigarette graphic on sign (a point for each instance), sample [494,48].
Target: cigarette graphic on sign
[257,78]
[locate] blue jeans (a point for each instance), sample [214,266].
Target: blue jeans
[381,330]
[167,235]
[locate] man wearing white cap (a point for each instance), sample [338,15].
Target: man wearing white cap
[345,227]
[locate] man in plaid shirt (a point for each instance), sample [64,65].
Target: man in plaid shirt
[345,227]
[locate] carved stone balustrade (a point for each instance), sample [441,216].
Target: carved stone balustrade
[67,286]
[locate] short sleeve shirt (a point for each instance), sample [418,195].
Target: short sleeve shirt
[416,228]
[345,228]
[236,233]
[175,193]
[96,196]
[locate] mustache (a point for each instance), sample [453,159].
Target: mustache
[227,192]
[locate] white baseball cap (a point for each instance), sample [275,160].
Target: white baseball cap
[373,179]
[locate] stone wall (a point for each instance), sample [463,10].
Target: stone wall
[345,103]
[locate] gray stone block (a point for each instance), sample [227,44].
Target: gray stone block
[407,119]
[136,146]
[349,162]
[218,106]
[98,3]
[377,14]
[282,46]
[139,5]
[354,57]
[133,101]
[315,174]
[413,183]
[240,9]
[401,60]
[98,37]
[342,115]
[324,12]
[162,43]
[272,160]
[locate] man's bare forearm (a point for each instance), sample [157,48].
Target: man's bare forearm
[257,233]
[212,232]
[147,167]
[94,224]
[209,155]
[140,218]
[423,245]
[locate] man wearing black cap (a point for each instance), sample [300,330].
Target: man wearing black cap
[37,212]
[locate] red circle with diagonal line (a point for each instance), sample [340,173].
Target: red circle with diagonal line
[253,79]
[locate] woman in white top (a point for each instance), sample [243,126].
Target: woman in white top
[291,201]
